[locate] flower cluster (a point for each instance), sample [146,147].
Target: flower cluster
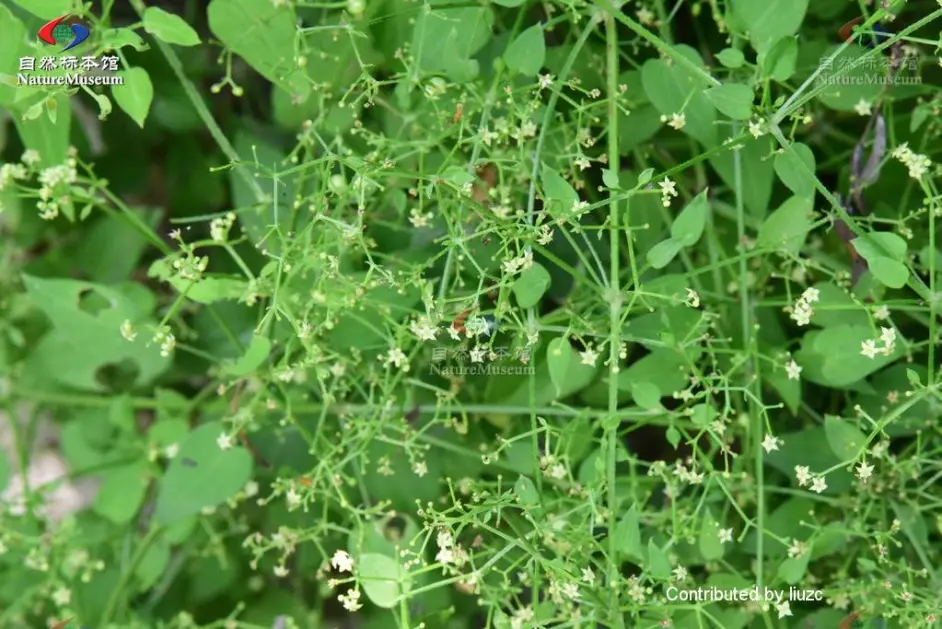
[802,311]
[869,347]
[917,164]
[219,227]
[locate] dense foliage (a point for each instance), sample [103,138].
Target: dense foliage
[465,314]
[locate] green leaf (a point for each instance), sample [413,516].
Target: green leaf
[91,338]
[446,40]
[46,9]
[384,579]
[795,166]
[787,227]
[169,27]
[560,195]
[673,436]
[647,395]
[709,542]
[610,179]
[663,252]
[688,226]
[210,476]
[855,83]
[731,58]
[844,437]
[254,356]
[12,46]
[780,59]
[878,244]
[153,563]
[732,99]
[561,360]
[509,3]
[766,22]
[531,284]
[672,88]
[207,290]
[526,492]
[134,96]
[792,569]
[628,534]
[889,272]
[658,565]
[527,53]
[122,492]
[263,34]
[50,139]
[831,357]
[757,176]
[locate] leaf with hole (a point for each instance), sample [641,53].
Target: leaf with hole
[86,322]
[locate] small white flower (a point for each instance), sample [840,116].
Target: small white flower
[172,450]
[881,313]
[645,16]
[546,81]
[693,299]
[863,108]
[864,472]
[280,571]
[784,609]
[589,357]
[477,354]
[420,469]
[803,474]
[424,329]
[224,441]
[351,600]
[342,561]
[811,295]
[62,596]
[818,485]
[676,120]
[127,330]
[755,128]
[888,336]
[869,349]
[793,370]
[770,443]
[293,499]
[668,190]
[726,535]
[588,576]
